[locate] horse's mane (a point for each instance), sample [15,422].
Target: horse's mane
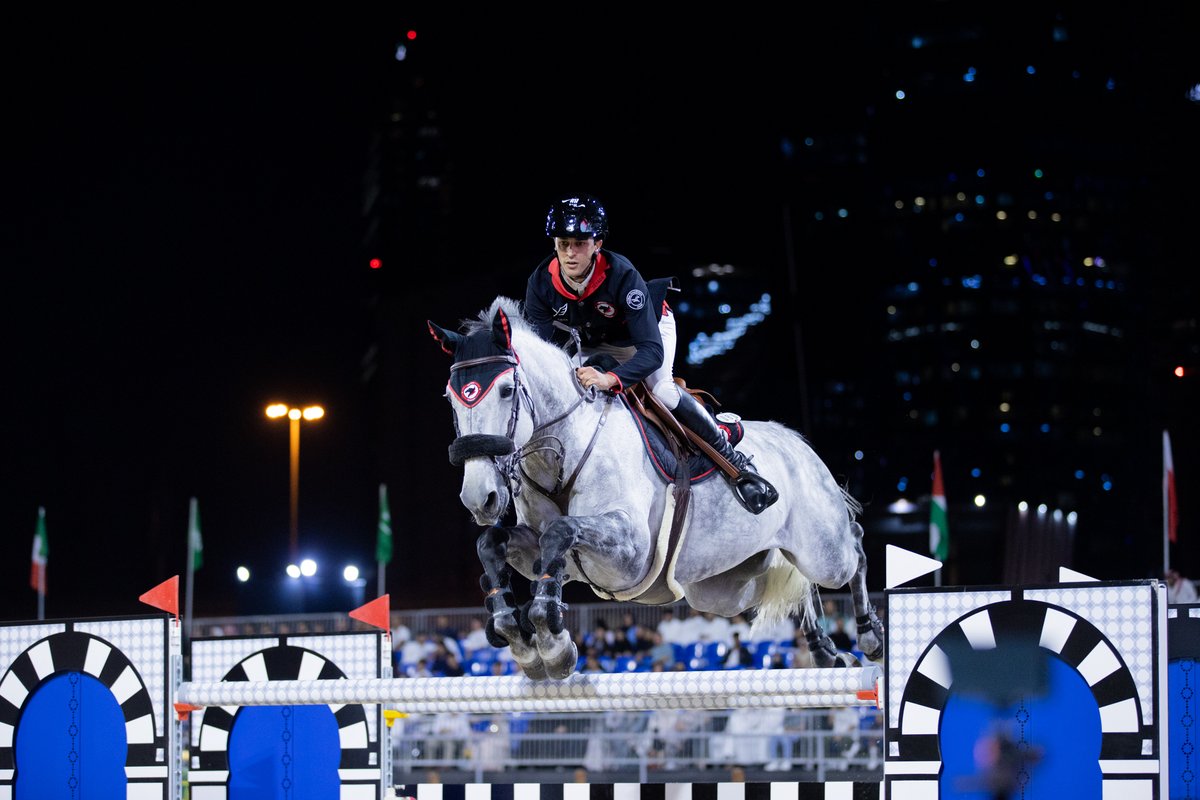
[521,329]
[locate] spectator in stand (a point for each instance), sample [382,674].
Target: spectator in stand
[671,628]
[628,633]
[840,636]
[414,650]
[601,639]
[716,628]
[739,626]
[400,634]
[592,664]
[782,630]
[662,652]
[476,638]
[1179,589]
[739,655]
[693,628]
[443,628]
[643,641]
[442,661]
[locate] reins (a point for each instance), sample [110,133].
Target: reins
[509,460]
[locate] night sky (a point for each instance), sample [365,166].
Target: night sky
[182,245]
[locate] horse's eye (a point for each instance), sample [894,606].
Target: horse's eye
[506,392]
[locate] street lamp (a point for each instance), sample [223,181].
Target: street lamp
[294,415]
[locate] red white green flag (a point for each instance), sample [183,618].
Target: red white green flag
[41,551]
[1170,501]
[939,530]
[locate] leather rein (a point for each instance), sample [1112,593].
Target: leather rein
[507,457]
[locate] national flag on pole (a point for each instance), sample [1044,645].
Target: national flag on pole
[195,543]
[383,539]
[939,530]
[41,551]
[1170,501]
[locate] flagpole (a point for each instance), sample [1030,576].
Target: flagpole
[191,559]
[1166,503]
[383,540]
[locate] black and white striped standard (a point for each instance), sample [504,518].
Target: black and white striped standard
[773,790]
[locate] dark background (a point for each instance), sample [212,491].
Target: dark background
[184,242]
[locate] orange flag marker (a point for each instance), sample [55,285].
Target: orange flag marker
[377,612]
[164,596]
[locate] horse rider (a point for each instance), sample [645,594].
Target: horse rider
[602,295]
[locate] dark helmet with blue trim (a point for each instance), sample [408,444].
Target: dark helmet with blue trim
[577,217]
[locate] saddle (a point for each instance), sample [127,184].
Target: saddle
[683,443]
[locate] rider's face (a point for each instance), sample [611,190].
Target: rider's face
[575,255]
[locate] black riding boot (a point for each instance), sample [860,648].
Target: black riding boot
[752,490]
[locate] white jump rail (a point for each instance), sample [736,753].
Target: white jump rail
[633,691]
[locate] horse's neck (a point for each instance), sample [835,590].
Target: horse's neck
[556,397]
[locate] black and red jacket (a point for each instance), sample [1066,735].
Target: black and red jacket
[616,308]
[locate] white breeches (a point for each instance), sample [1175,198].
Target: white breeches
[662,380]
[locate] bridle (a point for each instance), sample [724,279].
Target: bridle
[506,456]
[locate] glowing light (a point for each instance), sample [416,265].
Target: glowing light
[900,94]
[243,574]
[375,263]
[293,571]
[1001,215]
[980,501]
[706,345]
[308,568]
[902,506]
[350,573]
[1179,372]
[1022,506]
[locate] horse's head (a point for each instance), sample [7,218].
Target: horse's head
[485,394]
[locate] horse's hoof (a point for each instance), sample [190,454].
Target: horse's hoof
[564,663]
[535,670]
[846,660]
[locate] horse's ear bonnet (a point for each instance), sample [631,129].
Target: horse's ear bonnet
[480,357]
[447,339]
[502,330]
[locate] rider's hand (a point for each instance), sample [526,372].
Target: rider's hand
[589,376]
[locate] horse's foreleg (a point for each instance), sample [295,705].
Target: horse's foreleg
[554,644]
[870,629]
[504,626]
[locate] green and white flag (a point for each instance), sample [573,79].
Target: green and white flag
[41,552]
[195,543]
[939,530]
[383,539]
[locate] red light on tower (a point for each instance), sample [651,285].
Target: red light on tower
[1179,372]
[410,35]
[375,263]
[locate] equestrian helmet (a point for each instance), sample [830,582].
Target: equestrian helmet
[577,217]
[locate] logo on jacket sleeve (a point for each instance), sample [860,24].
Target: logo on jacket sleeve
[561,311]
[636,299]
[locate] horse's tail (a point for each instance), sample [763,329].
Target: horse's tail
[786,592]
[854,507]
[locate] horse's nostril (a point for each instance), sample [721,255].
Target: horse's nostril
[491,501]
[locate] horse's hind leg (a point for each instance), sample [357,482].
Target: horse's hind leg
[870,629]
[506,627]
[822,649]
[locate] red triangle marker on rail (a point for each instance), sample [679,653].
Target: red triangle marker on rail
[377,612]
[164,596]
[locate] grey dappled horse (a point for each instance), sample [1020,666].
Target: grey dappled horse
[590,506]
